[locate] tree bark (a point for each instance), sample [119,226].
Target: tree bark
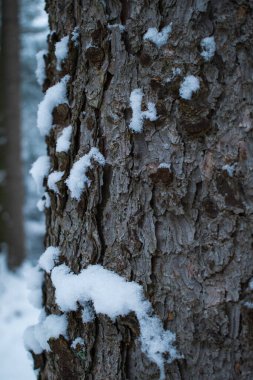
[185,232]
[11,166]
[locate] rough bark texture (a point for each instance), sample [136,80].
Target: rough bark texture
[11,186]
[184,234]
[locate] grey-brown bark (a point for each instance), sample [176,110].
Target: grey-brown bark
[184,234]
[11,167]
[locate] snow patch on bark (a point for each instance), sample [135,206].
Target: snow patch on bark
[158,38]
[63,141]
[112,295]
[52,326]
[164,165]
[61,51]
[52,180]
[78,179]
[121,27]
[189,85]
[54,96]
[139,116]
[44,202]
[209,47]
[75,36]
[230,169]
[49,258]
[77,341]
[39,170]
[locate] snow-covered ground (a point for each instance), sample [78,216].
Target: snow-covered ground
[16,313]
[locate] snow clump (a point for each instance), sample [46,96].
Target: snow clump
[138,116]
[44,202]
[54,96]
[39,170]
[52,180]
[49,258]
[75,36]
[63,141]
[209,47]
[77,341]
[112,295]
[189,86]
[230,169]
[158,38]
[36,337]
[78,179]
[61,51]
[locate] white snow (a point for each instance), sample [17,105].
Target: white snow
[164,165]
[138,116]
[121,27]
[230,169]
[150,114]
[112,295]
[63,141]
[77,341]
[78,179]
[175,72]
[41,66]
[158,38]
[36,337]
[189,85]
[49,258]
[87,313]
[16,313]
[248,304]
[54,96]
[251,284]
[75,36]
[34,279]
[61,51]
[44,202]
[52,180]
[39,170]
[209,47]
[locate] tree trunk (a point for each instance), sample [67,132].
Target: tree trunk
[11,167]
[182,230]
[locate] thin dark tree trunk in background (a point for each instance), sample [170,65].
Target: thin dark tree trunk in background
[12,184]
[184,233]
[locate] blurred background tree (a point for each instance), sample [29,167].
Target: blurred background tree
[11,167]
[23,34]
[34,29]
